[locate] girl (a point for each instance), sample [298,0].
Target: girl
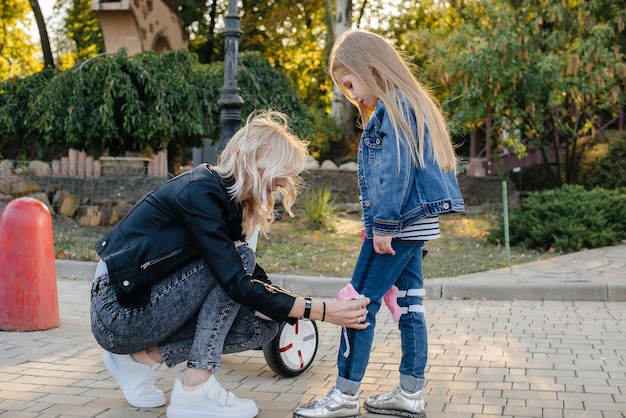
[406,173]
[176,281]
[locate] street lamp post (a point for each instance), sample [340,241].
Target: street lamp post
[230,101]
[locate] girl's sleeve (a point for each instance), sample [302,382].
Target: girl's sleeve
[392,187]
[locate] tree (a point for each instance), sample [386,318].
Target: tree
[295,37]
[48,61]
[342,109]
[200,20]
[18,53]
[292,36]
[543,71]
[115,103]
[83,29]
[17,137]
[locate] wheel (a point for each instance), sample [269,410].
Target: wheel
[293,349]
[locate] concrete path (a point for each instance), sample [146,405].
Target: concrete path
[547,339]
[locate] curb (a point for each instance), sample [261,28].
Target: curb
[473,286]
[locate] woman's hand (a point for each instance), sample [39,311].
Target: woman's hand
[348,313]
[262,316]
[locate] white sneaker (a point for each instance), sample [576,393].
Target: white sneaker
[208,401]
[333,405]
[135,379]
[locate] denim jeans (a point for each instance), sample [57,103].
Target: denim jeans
[374,274]
[189,318]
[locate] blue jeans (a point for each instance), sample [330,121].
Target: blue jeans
[374,274]
[189,318]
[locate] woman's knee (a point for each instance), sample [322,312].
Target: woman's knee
[247,256]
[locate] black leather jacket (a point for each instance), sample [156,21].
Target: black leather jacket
[187,218]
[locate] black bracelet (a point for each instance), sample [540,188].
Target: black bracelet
[323,311]
[307,308]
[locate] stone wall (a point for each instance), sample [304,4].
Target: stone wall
[91,192]
[342,184]
[477,191]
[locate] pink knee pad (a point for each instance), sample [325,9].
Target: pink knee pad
[390,298]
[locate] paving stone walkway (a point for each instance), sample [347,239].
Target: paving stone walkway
[487,358]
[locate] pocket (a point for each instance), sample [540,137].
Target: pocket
[160,259]
[99,285]
[103,336]
[374,149]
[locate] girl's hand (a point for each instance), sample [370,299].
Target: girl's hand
[348,313]
[382,244]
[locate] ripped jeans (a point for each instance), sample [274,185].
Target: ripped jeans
[189,318]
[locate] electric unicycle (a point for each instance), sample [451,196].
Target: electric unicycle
[293,349]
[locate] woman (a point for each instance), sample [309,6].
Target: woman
[176,281]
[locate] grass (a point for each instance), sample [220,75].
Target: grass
[295,249]
[462,249]
[74,242]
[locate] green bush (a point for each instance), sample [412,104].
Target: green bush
[601,161]
[119,103]
[319,209]
[568,219]
[17,96]
[328,134]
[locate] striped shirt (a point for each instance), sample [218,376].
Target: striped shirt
[423,230]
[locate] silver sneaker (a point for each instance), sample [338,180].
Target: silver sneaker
[397,403]
[333,405]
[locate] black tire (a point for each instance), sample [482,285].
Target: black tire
[293,349]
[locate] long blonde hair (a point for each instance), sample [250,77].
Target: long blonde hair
[384,71]
[263,150]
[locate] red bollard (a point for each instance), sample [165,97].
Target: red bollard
[28,286]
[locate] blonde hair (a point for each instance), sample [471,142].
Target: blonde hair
[263,150]
[384,71]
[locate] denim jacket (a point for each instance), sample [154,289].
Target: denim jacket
[392,196]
